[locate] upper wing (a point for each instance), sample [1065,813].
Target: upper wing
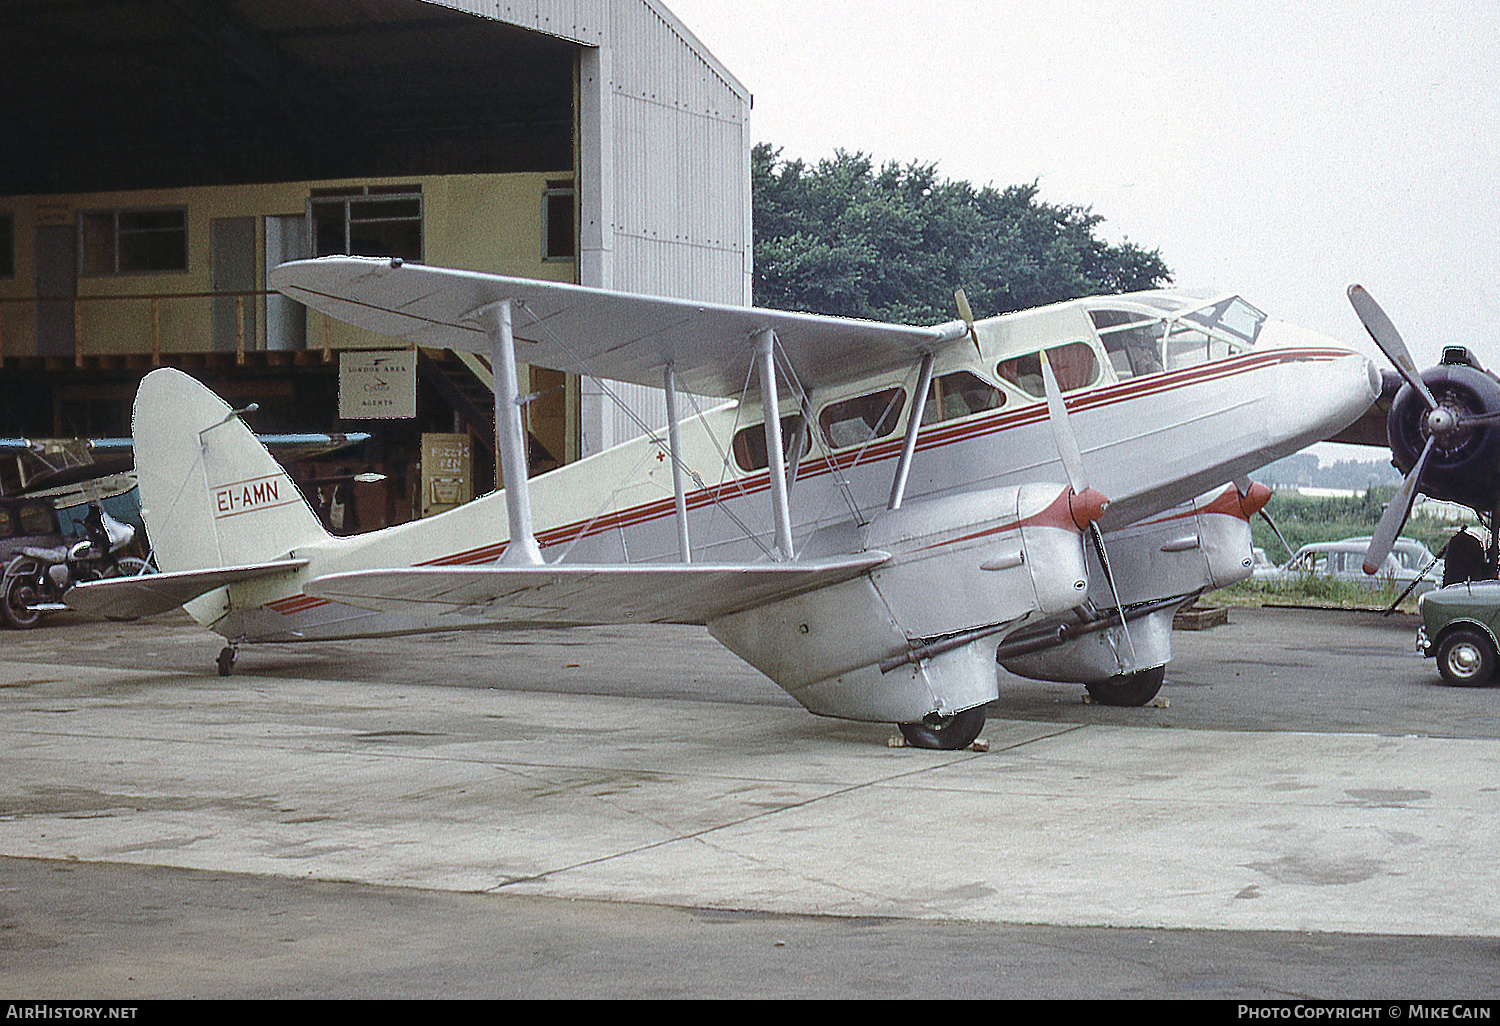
[127,598]
[574,596]
[593,331]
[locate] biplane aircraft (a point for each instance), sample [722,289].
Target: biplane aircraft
[871,515]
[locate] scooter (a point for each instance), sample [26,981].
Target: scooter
[34,581]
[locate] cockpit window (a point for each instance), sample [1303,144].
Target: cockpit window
[1232,316]
[1074,364]
[1171,331]
[1132,341]
[856,421]
[960,394]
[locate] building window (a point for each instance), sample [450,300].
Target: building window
[132,241]
[367,220]
[7,246]
[558,235]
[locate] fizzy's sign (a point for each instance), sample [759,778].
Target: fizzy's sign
[231,500]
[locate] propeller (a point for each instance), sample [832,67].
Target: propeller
[1244,486]
[1441,423]
[1395,516]
[1078,482]
[1388,339]
[967,313]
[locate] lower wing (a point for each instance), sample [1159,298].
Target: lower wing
[574,596]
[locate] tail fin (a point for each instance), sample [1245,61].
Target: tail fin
[211,494]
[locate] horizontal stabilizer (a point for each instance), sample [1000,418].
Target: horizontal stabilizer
[574,596]
[128,598]
[606,334]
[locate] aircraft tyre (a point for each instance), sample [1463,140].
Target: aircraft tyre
[1129,689]
[945,733]
[1466,658]
[227,658]
[17,593]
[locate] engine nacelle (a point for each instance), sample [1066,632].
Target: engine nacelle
[1465,466]
[973,565]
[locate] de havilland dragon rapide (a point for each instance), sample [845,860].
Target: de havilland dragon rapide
[870,514]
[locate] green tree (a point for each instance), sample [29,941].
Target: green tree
[892,243]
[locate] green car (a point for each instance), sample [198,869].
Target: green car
[1460,624]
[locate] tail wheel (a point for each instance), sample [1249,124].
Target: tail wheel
[1129,689]
[945,733]
[1466,658]
[18,594]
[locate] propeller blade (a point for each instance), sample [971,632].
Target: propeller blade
[1277,532]
[1109,576]
[1396,514]
[967,313]
[1078,480]
[1062,431]
[1389,340]
[1243,486]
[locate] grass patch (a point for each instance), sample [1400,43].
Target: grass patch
[1312,591]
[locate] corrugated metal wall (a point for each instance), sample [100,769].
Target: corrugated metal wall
[665,151]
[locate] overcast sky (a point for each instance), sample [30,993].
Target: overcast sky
[1280,150]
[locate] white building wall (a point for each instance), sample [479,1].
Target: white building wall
[664,189]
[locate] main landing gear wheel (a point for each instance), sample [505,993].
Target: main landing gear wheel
[1129,689]
[945,733]
[226,660]
[1466,659]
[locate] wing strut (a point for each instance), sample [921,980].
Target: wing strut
[510,436]
[684,545]
[765,355]
[913,425]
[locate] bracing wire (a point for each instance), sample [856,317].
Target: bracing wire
[582,368]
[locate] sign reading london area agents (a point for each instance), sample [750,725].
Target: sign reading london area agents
[378,385]
[230,500]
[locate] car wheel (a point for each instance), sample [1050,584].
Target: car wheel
[1466,658]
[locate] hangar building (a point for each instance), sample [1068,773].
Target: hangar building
[162,155]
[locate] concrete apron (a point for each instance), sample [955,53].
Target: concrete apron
[749,807]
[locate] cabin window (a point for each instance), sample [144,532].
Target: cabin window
[7,246]
[367,220]
[558,236]
[1074,364]
[37,520]
[960,394]
[1132,341]
[7,524]
[750,444]
[115,242]
[858,420]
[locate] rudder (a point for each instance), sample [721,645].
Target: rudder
[211,493]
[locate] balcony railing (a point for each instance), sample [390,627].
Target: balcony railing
[29,308]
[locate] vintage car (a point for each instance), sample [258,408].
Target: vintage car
[27,522]
[1345,561]
[1459,625]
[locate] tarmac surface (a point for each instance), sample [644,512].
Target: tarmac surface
[634,812]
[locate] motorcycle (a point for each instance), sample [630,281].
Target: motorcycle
[35,580]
